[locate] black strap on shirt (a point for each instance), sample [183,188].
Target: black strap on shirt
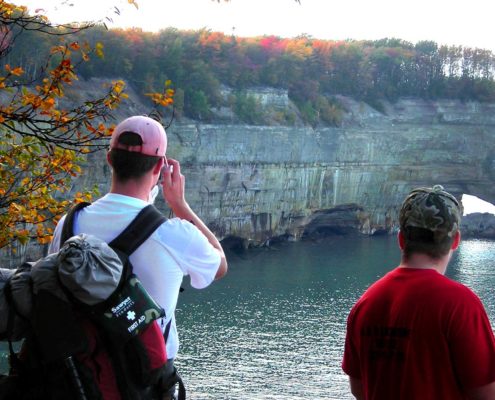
[133,236]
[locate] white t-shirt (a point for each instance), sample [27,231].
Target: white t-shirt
[175,249]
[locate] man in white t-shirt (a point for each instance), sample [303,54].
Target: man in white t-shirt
[180,246]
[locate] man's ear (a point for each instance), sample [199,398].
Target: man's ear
[109,161]
[400,239]
[158,166]
[457,240]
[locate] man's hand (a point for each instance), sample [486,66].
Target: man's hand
[173,184]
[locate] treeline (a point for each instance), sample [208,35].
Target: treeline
[312,70]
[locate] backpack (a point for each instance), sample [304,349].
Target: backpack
[89,328]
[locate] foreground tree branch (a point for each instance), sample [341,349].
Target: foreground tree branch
[42,142]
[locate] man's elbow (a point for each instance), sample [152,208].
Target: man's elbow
[222,268]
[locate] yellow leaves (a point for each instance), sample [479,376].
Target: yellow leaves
[31,183]
[118,86]
[36,168]
[160,99]
[299,48]
[99,49]
[164,98]
[23,236]
[14,208]
[116,95]
[81,197]
[8,9]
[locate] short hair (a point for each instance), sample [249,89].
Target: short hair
[429,219]
[129,165]
[423,241]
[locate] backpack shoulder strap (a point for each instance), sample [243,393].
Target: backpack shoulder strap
[68,228]
[145,223]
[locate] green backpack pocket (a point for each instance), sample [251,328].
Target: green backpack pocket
[128,310]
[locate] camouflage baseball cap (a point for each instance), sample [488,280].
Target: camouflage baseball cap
[433,209]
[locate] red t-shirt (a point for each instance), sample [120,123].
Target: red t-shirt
[415,334]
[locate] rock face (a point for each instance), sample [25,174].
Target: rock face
[257,183]
[253,184]
[478,225]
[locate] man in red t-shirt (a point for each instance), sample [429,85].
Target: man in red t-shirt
[415,334]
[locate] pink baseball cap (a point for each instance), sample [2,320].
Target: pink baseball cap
[150,131]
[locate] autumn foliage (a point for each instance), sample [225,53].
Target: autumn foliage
[42,143]
[313,71]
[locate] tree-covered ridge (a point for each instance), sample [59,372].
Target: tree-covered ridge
[312,70]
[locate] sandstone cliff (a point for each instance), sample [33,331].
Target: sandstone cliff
[257,183]
[478,225]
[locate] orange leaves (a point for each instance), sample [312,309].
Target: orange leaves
[30,99]
[165,98]
[36,101]
[75,46]
[100,130]
[161,99]
[18,71]
[47,104]
[41,140]
[64,72]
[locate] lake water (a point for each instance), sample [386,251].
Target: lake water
[274,327]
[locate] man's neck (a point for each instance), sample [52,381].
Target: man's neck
[131,188]
[423,261]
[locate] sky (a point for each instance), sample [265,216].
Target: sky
[473,204]
[452,22]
